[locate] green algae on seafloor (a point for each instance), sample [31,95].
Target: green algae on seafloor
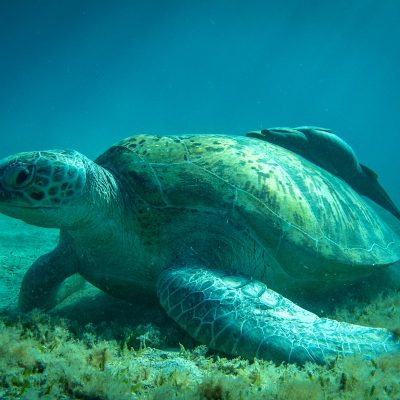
[43,357]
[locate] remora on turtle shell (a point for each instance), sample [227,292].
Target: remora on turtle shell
[331,152]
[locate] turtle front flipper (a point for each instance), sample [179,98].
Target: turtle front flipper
[43,285]
[241,316]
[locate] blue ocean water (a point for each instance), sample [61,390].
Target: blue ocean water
[84,74]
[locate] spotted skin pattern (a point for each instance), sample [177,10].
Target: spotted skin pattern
[165,215]
[41,179]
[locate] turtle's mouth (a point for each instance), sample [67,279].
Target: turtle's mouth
[33,207]
[38,207]
[40,215]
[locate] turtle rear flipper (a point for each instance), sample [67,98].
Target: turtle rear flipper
[45,285]
[241,316]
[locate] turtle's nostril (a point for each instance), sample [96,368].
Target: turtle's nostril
[4,194]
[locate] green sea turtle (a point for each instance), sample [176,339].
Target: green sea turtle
[329,151]
[205,222]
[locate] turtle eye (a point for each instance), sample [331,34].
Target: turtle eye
[18,175]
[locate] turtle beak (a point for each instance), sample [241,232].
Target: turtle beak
[5,194]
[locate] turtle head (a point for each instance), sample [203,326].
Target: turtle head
[45,188]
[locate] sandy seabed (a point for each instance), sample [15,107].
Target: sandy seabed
[95,347]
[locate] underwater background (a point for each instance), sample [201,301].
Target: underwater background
[85,74]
